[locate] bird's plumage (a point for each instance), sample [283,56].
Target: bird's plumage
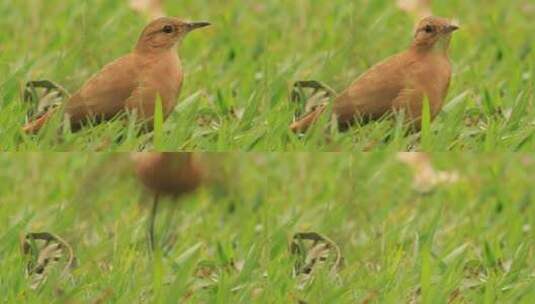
[135,81]
[173,174]
[410,77]
[401,82]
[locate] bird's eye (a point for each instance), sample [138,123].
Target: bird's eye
[428,29]
[168,29]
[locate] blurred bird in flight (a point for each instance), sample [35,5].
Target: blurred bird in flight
[167,174]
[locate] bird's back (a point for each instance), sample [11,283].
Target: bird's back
[105,94]
[373,93]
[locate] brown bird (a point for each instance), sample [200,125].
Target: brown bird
[132,82]
[401,82]
[152,8]
[169,174]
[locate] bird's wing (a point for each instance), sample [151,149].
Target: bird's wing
[143,101]
[372,95]
[105,94]
[410,100]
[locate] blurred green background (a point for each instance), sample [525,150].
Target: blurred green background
[467,242]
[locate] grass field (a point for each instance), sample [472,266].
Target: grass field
[468,242]
[239,72]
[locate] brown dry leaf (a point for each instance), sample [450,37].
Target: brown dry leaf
[314,252]
[417,8]
[426,178]
[44,95]
[44,252]
[319,94]
[152,8]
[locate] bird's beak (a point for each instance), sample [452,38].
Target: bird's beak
[197,25]
[451,28]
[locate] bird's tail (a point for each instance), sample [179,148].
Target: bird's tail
[36,125]
[304,123]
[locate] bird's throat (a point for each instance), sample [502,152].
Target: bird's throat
[442,45]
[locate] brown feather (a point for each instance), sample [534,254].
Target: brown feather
[172,174]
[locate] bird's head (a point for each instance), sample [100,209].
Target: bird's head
[164,33]
[434,33]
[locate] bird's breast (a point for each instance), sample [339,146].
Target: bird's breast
[432,75]
[436,74]
[163,75]
[167,71]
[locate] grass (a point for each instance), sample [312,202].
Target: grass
[248,60]
[468,242]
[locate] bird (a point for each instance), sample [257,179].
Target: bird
[401,82]
[173,174]
[134,82]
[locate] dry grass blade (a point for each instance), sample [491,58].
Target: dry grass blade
[45,251]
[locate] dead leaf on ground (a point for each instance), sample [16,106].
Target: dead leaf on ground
[152,8]
[426,178]
[43,95]
[44,252]
[417,8]
[312,93]
[314,251]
